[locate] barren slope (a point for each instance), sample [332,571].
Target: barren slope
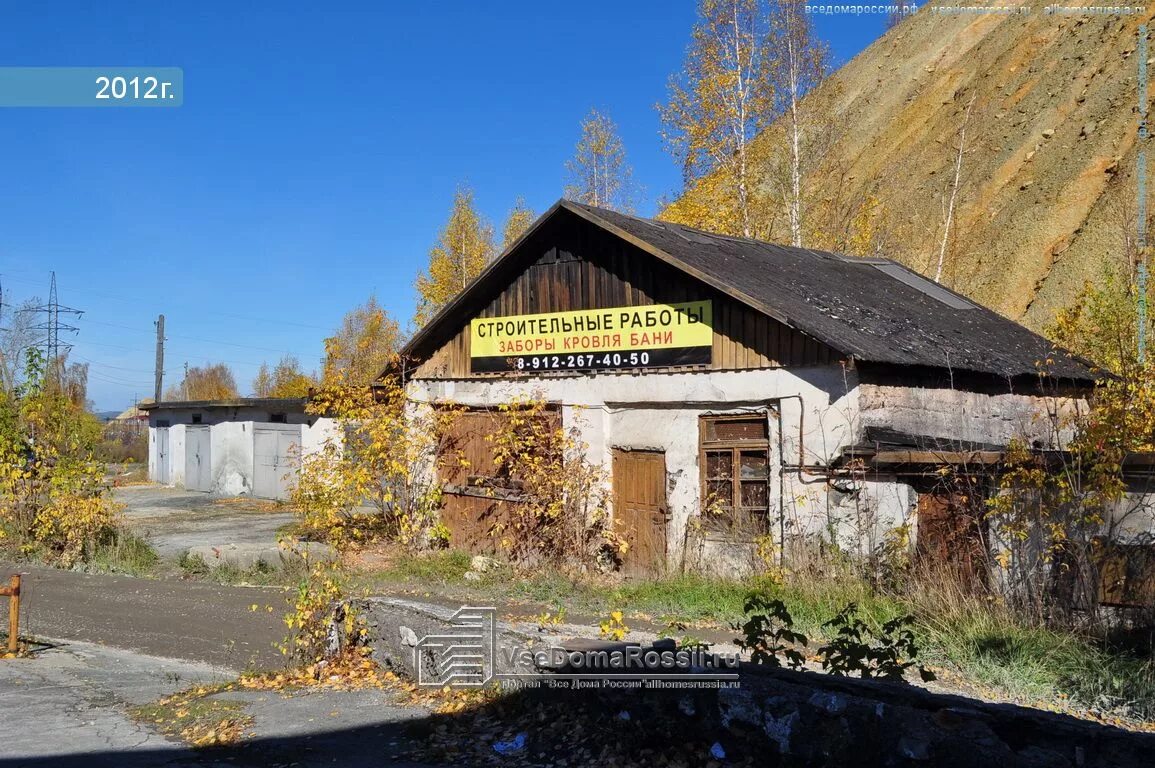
[1049,176]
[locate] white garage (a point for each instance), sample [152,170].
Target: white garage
[245,446]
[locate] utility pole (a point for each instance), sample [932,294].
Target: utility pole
[184,384]
[159,359]
[1141,174]
[52,327]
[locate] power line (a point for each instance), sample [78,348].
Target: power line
[200,309]
[206,358]
[190,338]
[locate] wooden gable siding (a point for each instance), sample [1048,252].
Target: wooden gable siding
[582,267]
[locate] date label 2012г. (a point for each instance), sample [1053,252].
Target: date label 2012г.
[133,88]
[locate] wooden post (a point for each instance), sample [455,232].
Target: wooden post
[13,593]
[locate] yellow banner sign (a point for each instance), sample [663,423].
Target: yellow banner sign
[616,337]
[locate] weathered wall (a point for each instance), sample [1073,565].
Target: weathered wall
[950,414]
[231,455]
[661,412]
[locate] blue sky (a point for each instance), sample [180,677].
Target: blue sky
[313,161]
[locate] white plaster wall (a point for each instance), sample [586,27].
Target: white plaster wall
[1132,518]
[231,452]
[661,412]
[231,456]
[314,437]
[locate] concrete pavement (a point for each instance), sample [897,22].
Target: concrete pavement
[68,706]
[124,641]
[69,703]
[175,520]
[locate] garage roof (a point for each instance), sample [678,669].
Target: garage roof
[272,403]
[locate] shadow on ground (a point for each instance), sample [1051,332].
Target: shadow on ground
[776,719]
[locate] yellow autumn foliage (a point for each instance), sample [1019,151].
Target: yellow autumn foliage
[53,502]
[373,480]
[559,513]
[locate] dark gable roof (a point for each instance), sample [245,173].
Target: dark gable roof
[874,310]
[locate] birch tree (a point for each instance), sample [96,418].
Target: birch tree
[285,380]
[462,250]
[518,221]
[798,63]
[950,195]
[721,99]
[361,348]
[16,336]
[599,173]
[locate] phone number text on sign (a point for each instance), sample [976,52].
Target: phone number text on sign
[650,336]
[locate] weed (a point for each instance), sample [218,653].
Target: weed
[120,551]
[546,620]
[441,567]
[767,635]
[192,564]
[613,627]
[197,719]
[886,653]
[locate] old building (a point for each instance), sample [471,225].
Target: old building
[734,389]
[232,447]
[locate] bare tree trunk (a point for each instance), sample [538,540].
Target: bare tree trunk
[740,104]
[949,217]
[795,151]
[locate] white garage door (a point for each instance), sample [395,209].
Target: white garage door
[274,461]
[197,467]
[162,475]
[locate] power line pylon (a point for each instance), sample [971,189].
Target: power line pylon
[51,327]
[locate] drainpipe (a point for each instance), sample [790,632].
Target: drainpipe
[822,474]
[819,471]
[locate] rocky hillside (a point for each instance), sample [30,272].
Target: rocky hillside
[1047,196]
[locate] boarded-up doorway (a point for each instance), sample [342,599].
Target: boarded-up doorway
[951,536]
[478,494]
[640,509]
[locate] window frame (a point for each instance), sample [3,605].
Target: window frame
[741,519]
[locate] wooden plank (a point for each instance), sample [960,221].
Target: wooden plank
[750,338]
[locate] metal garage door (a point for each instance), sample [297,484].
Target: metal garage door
[274,466]
[197,467]
[162,474]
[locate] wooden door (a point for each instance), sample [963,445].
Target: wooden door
[640,509]
[951,536]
